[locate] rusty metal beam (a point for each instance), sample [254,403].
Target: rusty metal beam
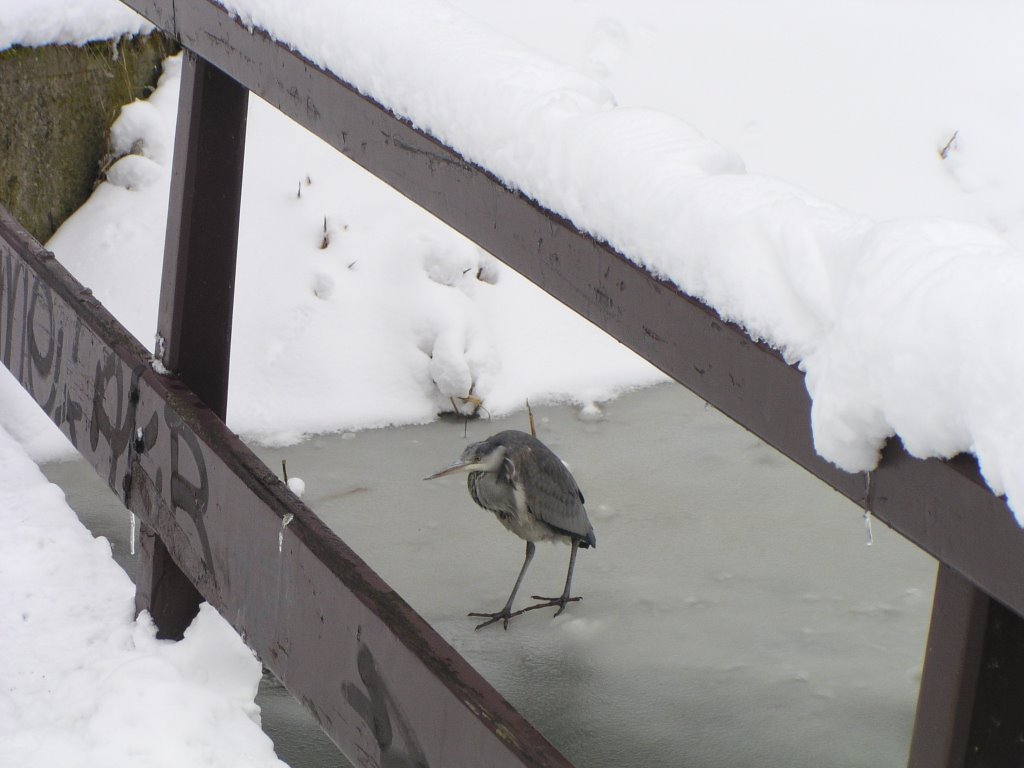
[943,507]
[383,685]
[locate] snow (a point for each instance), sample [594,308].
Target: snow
[819,216]
[336,276]
[45,22]
[941,305]
[791,269]
[324,247]
[83,681]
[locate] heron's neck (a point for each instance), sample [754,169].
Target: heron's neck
[492,462]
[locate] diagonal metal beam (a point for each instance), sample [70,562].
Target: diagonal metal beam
[383,685]
[943,507]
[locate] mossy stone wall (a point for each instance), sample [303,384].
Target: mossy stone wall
[56,107]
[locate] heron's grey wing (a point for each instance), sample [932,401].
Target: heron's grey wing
[552,493]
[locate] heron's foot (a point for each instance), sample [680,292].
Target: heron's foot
[503,616]
[551,602]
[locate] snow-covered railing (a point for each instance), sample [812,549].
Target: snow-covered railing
[379,680]
[942,506]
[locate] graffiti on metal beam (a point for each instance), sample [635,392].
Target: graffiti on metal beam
[382,713]
[44,344]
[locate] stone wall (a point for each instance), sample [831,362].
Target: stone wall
[56,107]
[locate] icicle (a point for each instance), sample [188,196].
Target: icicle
[280,534]
[867,511]
[131,534]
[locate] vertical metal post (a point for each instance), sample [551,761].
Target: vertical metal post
[197,289]
[970,711]
[997,726]
[945,700]
[198,284]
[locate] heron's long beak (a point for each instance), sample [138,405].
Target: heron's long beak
[456,467]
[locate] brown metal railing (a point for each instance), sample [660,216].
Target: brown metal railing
[314,605]
[330,629]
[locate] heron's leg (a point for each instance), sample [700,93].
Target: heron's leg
[568,575]
[506,613]
[564,597]
[530,549]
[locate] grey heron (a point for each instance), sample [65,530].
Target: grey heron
[533,494]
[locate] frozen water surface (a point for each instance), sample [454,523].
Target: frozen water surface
[732,614]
